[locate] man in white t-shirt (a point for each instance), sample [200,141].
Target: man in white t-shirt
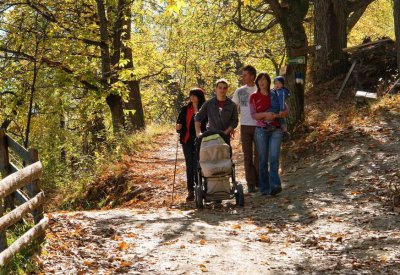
[247,124]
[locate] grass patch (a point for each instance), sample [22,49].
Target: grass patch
[21,263]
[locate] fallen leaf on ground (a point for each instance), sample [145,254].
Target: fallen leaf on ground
[88,263]
[115,238]
[125,264]
[264,239]
[203,268]
[123,246]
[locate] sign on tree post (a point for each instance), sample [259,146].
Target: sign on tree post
[297,60]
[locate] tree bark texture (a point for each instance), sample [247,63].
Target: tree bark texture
[330,33]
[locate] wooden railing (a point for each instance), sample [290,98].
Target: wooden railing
[10,193]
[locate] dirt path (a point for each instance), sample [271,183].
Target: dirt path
[333,217]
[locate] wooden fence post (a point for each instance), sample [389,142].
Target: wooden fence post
[3,238]
[4,168]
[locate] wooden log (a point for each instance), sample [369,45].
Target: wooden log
[23,241]
[34,187]
[346,79]
[18,195]
[19,212]
[350,49]
[20,179]
[18,149]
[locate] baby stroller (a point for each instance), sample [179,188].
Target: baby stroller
[216,171]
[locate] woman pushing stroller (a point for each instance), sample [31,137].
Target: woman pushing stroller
[187,135]
[219,113]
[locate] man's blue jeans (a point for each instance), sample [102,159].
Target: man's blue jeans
[268,146]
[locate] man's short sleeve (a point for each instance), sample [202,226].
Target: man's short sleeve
[235,97]
[235,119]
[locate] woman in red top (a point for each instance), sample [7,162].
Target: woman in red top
[185,128]
[267,136]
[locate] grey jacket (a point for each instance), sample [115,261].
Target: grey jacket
[216,120]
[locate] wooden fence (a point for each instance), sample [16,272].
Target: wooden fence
[10,193]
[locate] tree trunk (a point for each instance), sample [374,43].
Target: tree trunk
[330,33]
[33,89]
[134,103]
[396,13]
[135,100]
[114,101]
[117,112]
[291,22]
[338,30]
[122,37]
[63,153]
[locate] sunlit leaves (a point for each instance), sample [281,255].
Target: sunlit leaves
[251,2]
[174,6]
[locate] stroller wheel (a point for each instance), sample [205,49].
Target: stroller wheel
[239,196]
[199,197]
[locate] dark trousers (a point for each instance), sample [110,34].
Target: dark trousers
[191,164]
[249,154]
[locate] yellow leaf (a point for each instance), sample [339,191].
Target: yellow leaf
[202,242]
[236,226]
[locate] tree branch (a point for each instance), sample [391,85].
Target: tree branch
[355,16]
[276,8]
[7,92]
[53,64]
[353,6]
[152,75]
[45,14]
[240,25]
